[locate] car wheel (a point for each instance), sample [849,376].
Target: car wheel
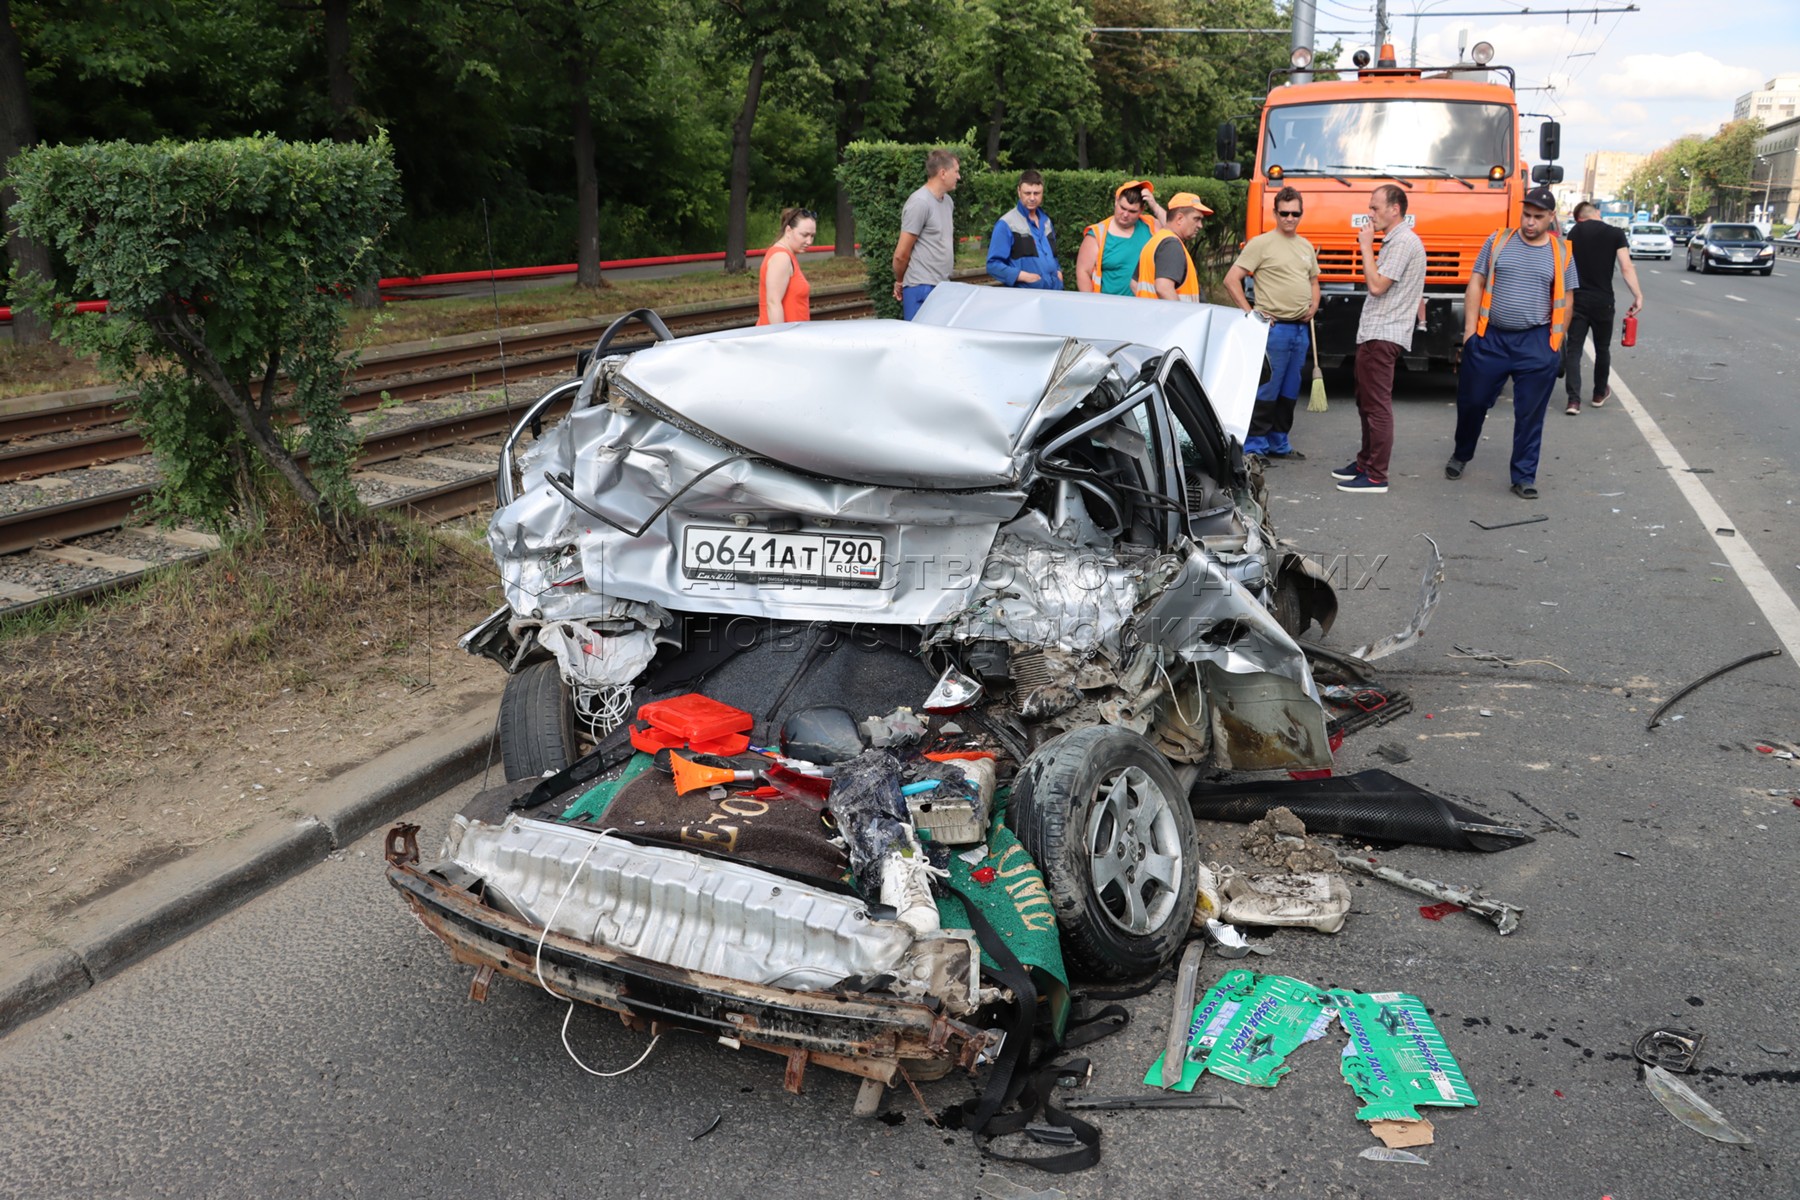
[1767,271]
[1690,262]
[537,723]
[1100,812]
[1705,267]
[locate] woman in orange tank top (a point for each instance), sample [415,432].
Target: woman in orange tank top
[782,291]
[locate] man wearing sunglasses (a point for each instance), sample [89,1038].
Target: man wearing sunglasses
[1286,269]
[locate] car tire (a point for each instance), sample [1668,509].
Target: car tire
[1690,262]
[537,723]
[1767,271]
[1107,789]
[1705,267]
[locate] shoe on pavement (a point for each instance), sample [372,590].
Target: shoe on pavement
[1524,491]
[1347,471]
[906,888]
[1574,409]
[1601,398]
[1454,469]
[1365,485]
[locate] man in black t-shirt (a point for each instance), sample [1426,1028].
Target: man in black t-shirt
[1597,247]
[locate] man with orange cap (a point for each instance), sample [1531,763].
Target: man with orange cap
[1108,259]
[1165,268]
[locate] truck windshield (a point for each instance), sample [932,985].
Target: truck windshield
[1392,137]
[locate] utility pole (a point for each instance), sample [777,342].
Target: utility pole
[1305,20]
[1381,26]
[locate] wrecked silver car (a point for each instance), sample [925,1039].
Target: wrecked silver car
[1008,556]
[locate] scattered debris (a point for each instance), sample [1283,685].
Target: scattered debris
[1398,1135]
[1186,979]
[1725,531]
[708,1129]
[1428,598]
[1487,712]
[1392,752]
[1626,854]
[1308,900]
[997,1187]
[1489,655]
[1669,1049]
[1384,1154]
[1396,1058]
[1686,1106]
[1372,804]
[1656,717]
[1173,1100]
[1510,524]
[1504,916]
[1278,839]
[1777,1051]
[1437,912]
[1231,943]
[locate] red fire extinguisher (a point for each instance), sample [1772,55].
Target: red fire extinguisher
[1630,336]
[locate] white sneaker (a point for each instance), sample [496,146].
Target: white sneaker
[906,888]
[1314,900]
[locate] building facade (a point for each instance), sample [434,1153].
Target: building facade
[1777,170]
[1776,101]
[1604,173]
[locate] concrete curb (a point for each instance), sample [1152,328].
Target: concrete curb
[103,938]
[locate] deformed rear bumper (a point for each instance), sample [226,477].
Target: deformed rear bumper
[867,1035]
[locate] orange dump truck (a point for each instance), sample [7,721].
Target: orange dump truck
[1448,136]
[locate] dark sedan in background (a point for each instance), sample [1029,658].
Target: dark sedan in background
[1681,228]
[1731,247]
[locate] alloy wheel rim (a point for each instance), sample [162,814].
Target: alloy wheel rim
[1135,858]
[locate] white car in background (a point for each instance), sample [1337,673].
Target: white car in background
[1648,239]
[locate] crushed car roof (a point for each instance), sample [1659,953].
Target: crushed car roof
[1224,345]
[880,402]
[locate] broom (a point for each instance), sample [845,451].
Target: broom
[1317,403]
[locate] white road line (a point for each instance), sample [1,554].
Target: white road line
[1689,282]
[1781,612]
[1739,299]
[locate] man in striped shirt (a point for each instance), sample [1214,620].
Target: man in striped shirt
[1396,282]
[1515,316]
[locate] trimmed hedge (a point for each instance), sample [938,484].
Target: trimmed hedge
[879,176]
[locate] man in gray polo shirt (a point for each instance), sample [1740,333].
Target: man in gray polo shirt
[1396,285]
[927,247]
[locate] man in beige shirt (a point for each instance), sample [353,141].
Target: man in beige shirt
[1286,270]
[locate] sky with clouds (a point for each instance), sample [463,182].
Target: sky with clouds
[1621,81]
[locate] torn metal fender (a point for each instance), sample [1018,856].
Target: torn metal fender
[1428,598]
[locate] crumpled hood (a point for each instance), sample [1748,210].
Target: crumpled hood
[874,402]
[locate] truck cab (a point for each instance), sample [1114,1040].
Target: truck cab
[1447,136]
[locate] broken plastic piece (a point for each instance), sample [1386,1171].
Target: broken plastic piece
[1511,524]
[1428,598]
[898,728]
[1187,977]
[1686,1106]
[1656,717]
[1230,941]
[1384,1154]
[953,693]
[1373,804]
[1669,1049]
[1437,912]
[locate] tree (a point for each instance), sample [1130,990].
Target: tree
[1025,64]
[225,264]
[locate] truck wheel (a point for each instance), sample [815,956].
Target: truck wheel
[537,723]
[1100,812]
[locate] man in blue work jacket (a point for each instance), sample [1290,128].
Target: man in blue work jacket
[1022,251]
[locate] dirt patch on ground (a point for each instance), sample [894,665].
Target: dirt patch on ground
[172,718]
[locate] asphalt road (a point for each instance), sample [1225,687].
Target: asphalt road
[315,1042]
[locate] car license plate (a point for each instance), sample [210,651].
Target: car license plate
[1740,256]
[752,556]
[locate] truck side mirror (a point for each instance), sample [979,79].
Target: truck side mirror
[1547,173]
[1227,142]
[1228,171]
[1549,141]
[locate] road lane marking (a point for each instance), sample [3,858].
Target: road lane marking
[1777,608]
[1689,282]
[1739,299]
